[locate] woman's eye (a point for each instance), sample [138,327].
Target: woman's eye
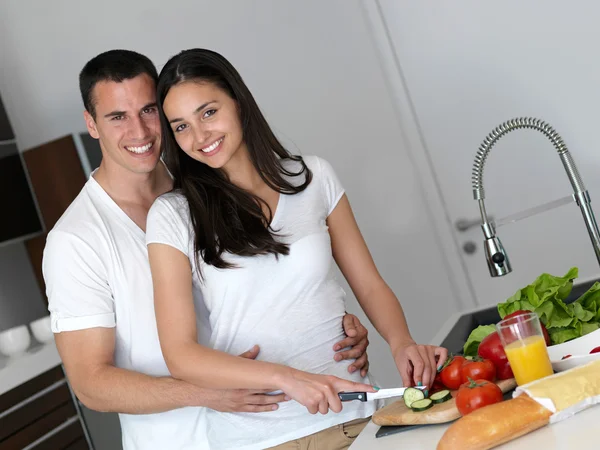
[210,112]
[180,128]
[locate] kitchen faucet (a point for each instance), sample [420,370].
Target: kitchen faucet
[495,254]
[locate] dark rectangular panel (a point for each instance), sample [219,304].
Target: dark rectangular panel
[19,214]
[92,150]
[6,132]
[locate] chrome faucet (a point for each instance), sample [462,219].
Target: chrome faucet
[495,254]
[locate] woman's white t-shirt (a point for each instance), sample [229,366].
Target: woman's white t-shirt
[292,306]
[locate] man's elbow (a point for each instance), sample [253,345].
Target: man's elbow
[89,400]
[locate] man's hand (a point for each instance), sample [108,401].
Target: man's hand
[244,400]
[358,341]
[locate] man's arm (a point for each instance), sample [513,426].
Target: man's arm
[88,359]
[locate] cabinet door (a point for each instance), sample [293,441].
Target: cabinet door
[40,410]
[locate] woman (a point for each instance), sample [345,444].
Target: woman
[255,231]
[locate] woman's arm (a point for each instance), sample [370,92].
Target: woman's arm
[205,367]
[415,362]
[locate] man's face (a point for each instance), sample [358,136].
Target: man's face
[127,124]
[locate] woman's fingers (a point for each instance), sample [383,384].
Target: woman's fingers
[442,356]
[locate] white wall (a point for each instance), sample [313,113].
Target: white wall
[471,65]
[313,69]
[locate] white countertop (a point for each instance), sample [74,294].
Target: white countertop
[19,369]
[578,432]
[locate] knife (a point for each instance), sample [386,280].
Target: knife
[381,393]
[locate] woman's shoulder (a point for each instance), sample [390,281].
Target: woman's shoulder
[314,163]
[169,204]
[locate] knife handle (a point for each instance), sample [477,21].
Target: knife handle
[347,396]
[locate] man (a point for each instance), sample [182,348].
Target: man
[98,277]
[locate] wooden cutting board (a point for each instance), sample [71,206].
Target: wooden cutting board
[398,414]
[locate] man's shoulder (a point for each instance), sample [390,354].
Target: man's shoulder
[80,219]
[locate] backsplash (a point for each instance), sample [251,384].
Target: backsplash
[20,298]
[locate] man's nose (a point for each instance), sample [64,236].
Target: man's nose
[139,128]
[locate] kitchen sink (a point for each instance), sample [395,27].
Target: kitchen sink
[466,323]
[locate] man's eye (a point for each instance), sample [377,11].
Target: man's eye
[118,117]
[210,112]
[150,110]
[180,128]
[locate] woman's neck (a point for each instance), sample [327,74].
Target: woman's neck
[242,172]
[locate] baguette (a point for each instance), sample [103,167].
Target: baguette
[495,424]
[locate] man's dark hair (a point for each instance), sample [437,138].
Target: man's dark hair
[113,65]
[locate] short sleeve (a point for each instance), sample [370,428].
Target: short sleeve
[168,223]
[331,185]
[79,296]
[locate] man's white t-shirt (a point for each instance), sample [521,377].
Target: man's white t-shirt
[97,274]
[291,306]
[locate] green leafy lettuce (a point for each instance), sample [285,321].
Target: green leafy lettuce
[546,297]
[477,335]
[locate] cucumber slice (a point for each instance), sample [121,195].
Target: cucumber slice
[441,396]
[421,405]
[411,395]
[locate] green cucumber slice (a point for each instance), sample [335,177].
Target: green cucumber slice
[411,395]
[441,396]
[421,405]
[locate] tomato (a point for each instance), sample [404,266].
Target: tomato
[491,348]
[451,374]
[544,331]
[595,350]
[478,369]
[477,394]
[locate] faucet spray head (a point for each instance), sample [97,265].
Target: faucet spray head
[496,257]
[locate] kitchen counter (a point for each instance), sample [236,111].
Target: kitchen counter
[20,369]
[579,431]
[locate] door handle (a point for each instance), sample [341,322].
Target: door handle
[466,224]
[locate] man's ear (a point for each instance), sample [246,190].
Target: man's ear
[90,123]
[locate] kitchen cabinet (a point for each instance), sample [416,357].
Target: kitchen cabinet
[41,414]
[21,219]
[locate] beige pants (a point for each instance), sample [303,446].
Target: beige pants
[338,437]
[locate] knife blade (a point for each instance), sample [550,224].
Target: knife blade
[381,393]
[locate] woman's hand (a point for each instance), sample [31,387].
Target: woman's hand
[418,364]
[318,393]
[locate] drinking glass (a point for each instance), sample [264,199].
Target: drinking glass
[525,347]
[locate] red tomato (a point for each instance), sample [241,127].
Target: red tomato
[595,350]
[491,348]
[477,394]
[478,369]
[451,374]
[544,331]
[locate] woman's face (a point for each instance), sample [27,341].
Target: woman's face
[205,122]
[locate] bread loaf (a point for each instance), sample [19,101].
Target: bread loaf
[495,424]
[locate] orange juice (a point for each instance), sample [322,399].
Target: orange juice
[529,359]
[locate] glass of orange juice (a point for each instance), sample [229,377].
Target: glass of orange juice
[525,347]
